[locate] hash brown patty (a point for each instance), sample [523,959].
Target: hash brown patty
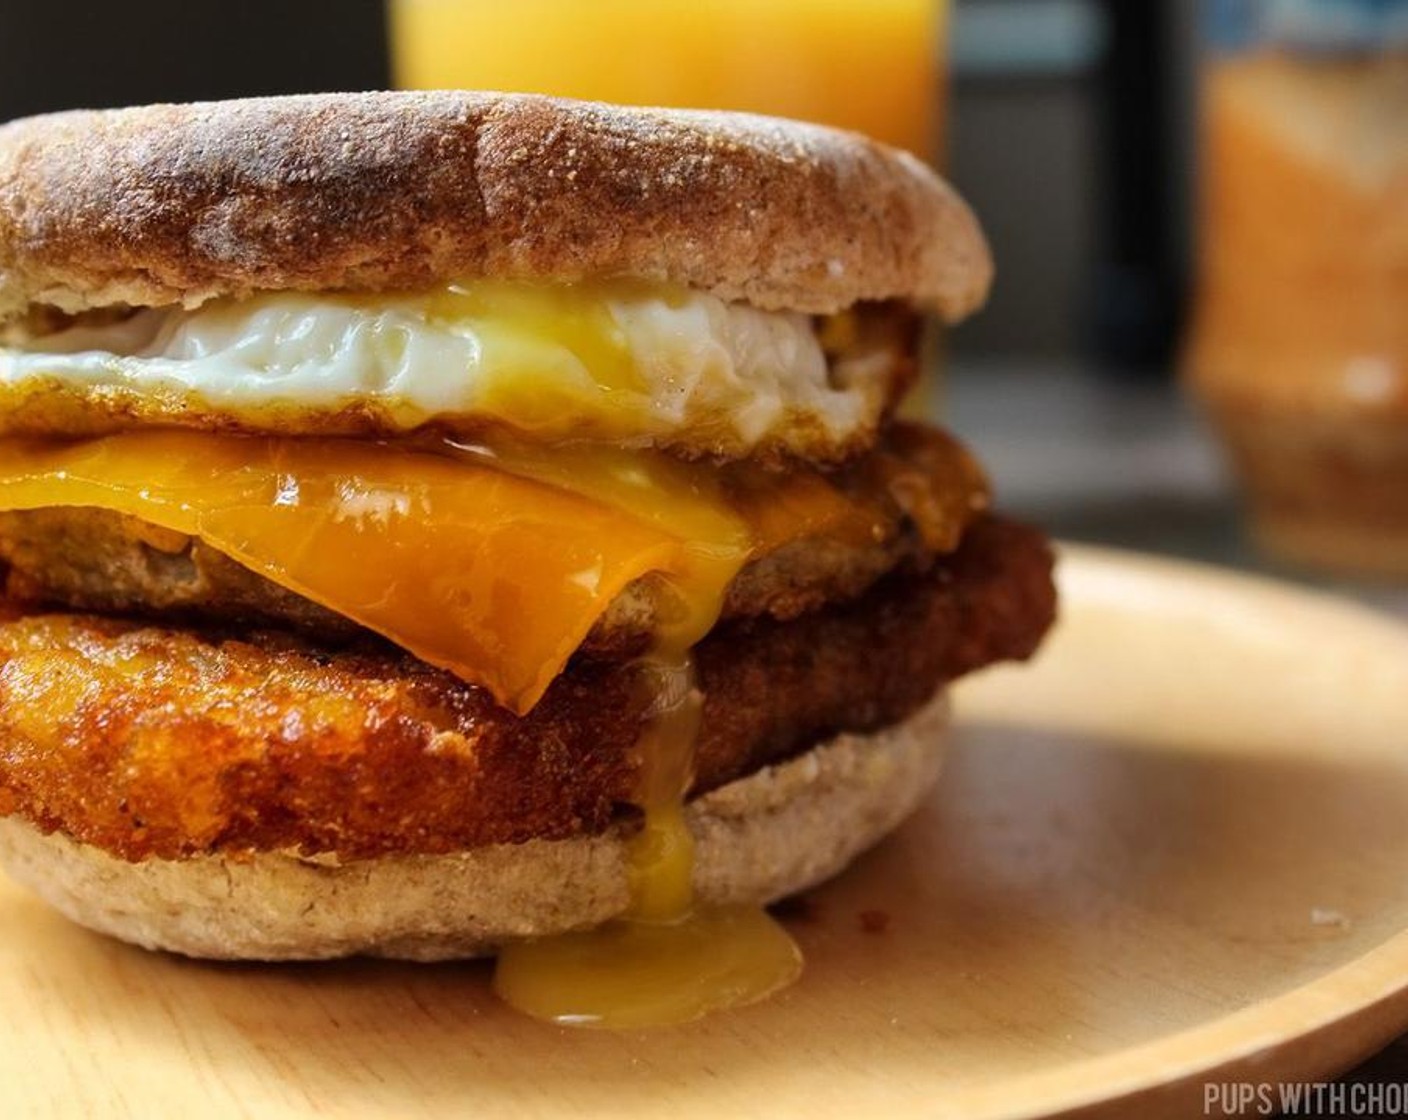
[145,741]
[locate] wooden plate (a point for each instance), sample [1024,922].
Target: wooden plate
[1174,851]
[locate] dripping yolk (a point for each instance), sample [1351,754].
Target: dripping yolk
[669,959]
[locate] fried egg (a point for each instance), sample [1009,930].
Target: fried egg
[627,362]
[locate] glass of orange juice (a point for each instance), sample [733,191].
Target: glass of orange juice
[1299,346]
[871,66]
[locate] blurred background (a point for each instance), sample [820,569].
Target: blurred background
[1192,310]
[1071,125]
[1068,125]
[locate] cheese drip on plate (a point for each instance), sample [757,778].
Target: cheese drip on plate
[668,959]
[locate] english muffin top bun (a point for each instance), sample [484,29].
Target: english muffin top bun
[382,191]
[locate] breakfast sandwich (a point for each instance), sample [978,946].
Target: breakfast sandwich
[444,524]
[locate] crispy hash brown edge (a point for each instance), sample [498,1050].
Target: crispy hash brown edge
[144,741]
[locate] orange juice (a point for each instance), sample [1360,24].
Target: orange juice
[1304,248]
[1299,346]
[869,66]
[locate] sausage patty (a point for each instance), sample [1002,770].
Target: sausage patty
[917,492]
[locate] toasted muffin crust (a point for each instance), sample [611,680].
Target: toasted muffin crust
[168,204]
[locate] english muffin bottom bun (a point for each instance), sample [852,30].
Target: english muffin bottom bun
[439,522]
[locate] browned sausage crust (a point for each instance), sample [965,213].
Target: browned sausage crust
[918,490]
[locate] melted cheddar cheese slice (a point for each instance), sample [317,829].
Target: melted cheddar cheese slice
[493,563]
